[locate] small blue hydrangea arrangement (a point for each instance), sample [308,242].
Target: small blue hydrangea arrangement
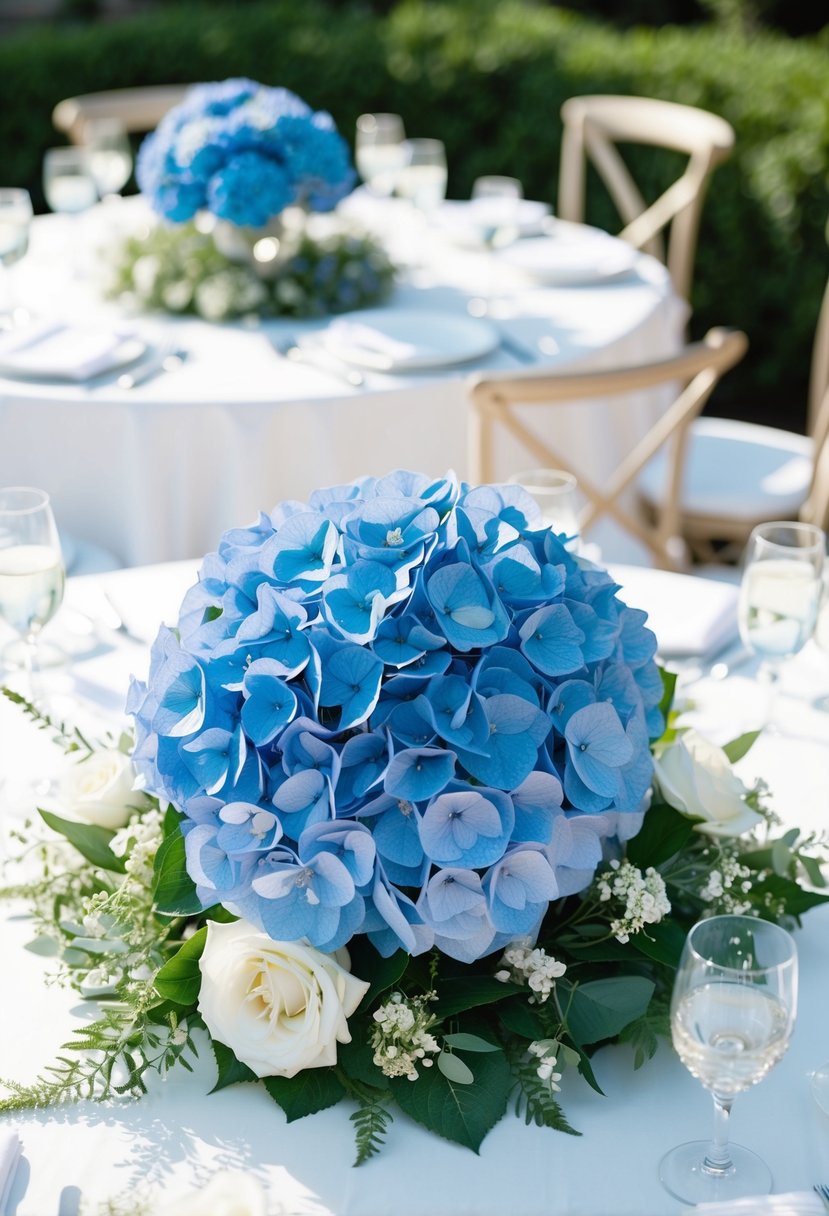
[244,152]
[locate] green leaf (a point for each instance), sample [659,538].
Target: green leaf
[45,946]
[469,1042]
[599,1009]
[231,1070]
[668,690]
[737,748]
[518,1018]
[813,871]
[662,942]
[309,1091]
[366,964]
[795,899]
[462,1113]
[174,892]
[664,832]
[457,995]
[179,980]
[356,1058]
[454,1069]
[586,1068]
[91,841]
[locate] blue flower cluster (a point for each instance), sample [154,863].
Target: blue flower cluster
[402,709]
[245,152]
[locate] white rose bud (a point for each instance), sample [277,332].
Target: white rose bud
[280,1007]
[695,776]
[100,789]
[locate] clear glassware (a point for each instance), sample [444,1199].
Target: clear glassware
[15,223]
[379,151]
[556,492]
[732,1015]
[110,155]
[779,595]
[496,201]
[31,570]
[422,179]
[67,180]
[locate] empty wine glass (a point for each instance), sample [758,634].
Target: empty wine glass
[379,152]
[110,155]
[15,222]
[422,179]
[779,594]
[67,180]
[555,491]
[31,569]
[732,1015]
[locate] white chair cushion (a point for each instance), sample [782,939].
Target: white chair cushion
[737,470]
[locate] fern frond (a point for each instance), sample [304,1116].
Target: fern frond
[534,1101]
[371,1120]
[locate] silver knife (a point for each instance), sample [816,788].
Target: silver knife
[287,346]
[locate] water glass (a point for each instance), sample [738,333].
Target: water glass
[422,179]
[15,223]
[31,568]
[379,152]
[556,493]
[732,1015]
[780,593]
[110,155]
[67,180]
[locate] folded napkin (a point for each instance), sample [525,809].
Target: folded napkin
[360,336]
[792,1203]
[10,1150]
[52,348]
[690,616]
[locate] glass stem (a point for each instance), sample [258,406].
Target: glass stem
[718,1158]
[770,673]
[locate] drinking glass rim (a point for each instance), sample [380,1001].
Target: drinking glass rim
[20,193]
[791,961]
[527,479]
[44,500]
[818,543]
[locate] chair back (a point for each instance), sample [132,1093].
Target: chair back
[593,125]
[138,109]
[694,371]
[815,509]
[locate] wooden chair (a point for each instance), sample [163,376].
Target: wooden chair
[592,128]
[138,109]
[739,474]
[695,371]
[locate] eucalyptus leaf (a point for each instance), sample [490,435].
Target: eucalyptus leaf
[454,1069]
[469,1042]
[737,748]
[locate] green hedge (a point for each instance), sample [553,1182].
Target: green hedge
[489,78]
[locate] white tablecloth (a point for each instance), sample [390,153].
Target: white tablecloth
[178,1136]
[158,472]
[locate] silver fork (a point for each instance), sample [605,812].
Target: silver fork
[287,346]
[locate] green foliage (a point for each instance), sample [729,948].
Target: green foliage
[174,891]
[91,841]
[179,980]
[599,1009]
[533,1100]
[644,1032]
[490,78]
[306,1093]
[230,1070]
[664,832]
[467,992]
[371,1120]
[460,1112]
[737,748]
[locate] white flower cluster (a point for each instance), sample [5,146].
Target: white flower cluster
[524,963]
[724,885]
[401,1036]
[138,844]
[545,1052]
[643,896]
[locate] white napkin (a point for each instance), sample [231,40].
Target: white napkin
[792,1203]
[10,1150]
[690,616]
[50,348]
[358,335]
[468,220]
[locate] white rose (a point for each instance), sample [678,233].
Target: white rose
[695,776]
[280,1007]
[100,789]
[229,1193]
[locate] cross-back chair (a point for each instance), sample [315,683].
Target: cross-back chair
[695,371]
[593,125]
[138,110]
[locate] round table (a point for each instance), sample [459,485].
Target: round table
[159,471]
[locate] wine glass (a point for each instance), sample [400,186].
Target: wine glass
[496,201]
[555,491]
[15,222]
[379,152]
[732,1015]
[110,155]
[779,594]
[31,568]
[67,180]
[422,179]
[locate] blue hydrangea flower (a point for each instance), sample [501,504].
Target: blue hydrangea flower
[245,152]
[400,709]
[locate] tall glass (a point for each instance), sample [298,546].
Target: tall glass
[780,594]
[732,1015]
[110,155]
[15,222]
[31,568]
[67,180]
[379,152]
[556,492]
[422,179]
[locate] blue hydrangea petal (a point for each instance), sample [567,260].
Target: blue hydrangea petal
[517,730]
[552,641]
[467,609]
[404,927]
[598,746]
[181,707]
[302,800]
[537,801]
[270,703]
[575,851]
[568,698]
[214,757]
[364,760]
[519,888]
[304,548]
[350,842]
[467,827]
[417,773]
[351,680]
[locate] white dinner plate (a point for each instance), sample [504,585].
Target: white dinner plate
[398,340]
[71,355]
[467,221]
[571,256]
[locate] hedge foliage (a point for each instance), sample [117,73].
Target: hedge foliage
[489,77]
